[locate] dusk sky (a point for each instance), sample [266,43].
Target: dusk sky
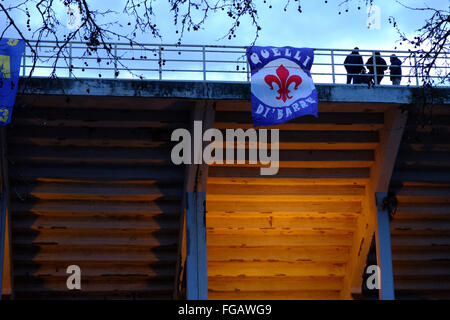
[319,25]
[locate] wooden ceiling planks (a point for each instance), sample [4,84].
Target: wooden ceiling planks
[92,185]
[289,236]
[420,230]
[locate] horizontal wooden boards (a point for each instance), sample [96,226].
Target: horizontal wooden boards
[279,283]
[257,268]
[274,295]
[265,220]
[236,192]
[95,191]
[96,173]
[284,253]
[420,231]
[93,185]
[288,236]
[94,253]
[314,139]
[105,103]
[80,117]
[291,175]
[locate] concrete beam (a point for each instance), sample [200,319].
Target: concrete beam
[218,90]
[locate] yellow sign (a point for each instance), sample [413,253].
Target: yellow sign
[4,113]
[13,42]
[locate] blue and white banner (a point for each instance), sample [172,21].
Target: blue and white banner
[281,86]
[11,51]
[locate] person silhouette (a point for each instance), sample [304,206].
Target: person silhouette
[396,70]
[353,64]
[380,67]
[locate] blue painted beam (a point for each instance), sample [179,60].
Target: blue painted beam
[384,253]
[196,269]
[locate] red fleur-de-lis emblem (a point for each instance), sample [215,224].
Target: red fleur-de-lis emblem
[283,81]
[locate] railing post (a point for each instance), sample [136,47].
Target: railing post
[115,61]
[375,76]
[70,59]
[160,63]
[416,70]
[204,63]
[332,67]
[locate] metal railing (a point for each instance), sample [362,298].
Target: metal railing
[200,63]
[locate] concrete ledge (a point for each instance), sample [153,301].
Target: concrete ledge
[225,90]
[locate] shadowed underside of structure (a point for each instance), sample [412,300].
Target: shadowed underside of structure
[420,229]
[92,184]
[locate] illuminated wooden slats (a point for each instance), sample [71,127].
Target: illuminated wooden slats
[329,253]
[286,181]
[279,239]
[261,189]
[274,295]
[282,198]
[274,283]
[277,231]
[267,269]
[332,216]
[296,207]
[304,214]
[275,221]
[307,164]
